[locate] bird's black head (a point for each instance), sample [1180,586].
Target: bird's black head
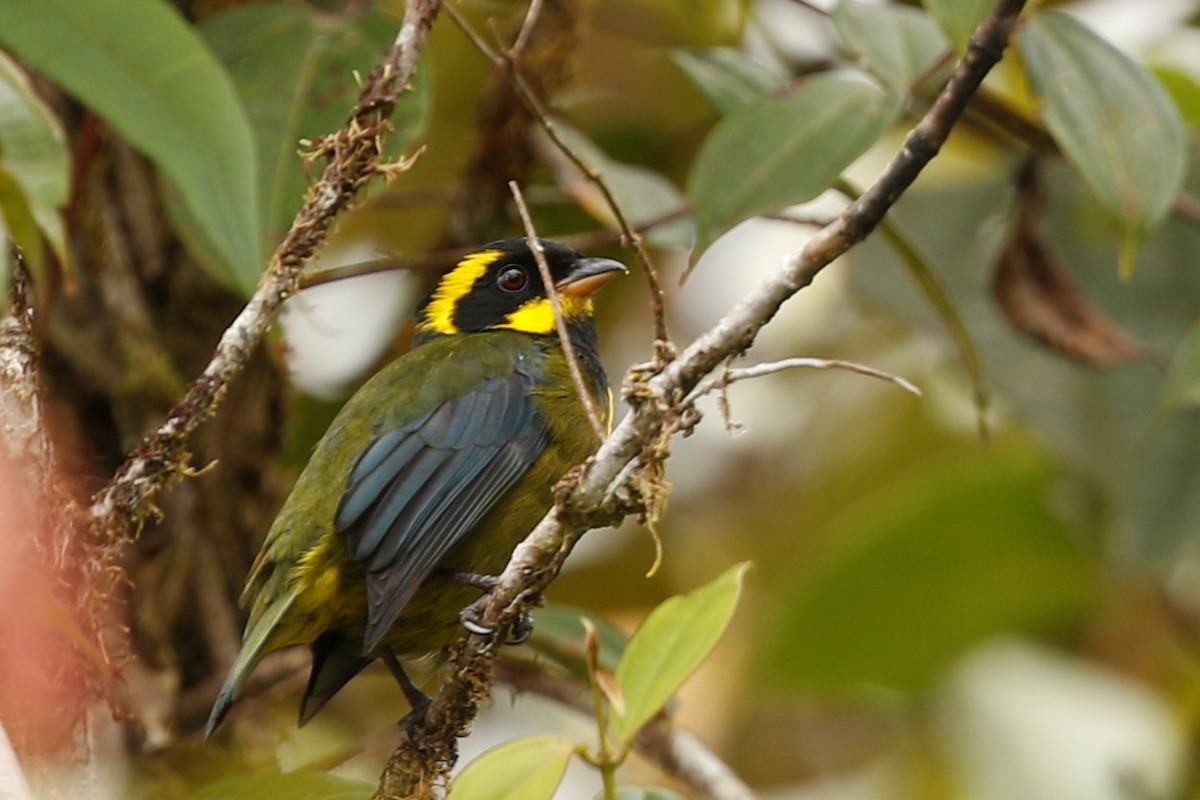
[499,287]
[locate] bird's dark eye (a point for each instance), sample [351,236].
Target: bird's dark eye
[512,279]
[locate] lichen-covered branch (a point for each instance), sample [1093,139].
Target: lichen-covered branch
[614,483]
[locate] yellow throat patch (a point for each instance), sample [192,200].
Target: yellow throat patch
[537,315]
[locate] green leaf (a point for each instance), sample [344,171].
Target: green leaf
[523,769]
[959,18]
[299,785]
[17,224]
[33,152]
[643,194]
[294,70]
[668,646]
[731,79]
[899,44]
[952,551]
[1182,385]
[1184,92]
[1113,121]
[784,150]
[138,64]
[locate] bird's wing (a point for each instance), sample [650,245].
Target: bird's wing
[417,489]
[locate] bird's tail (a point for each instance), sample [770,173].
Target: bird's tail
[257,642]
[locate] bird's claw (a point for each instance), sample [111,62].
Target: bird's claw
[519,631]
[521,628]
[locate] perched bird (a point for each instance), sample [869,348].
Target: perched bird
[430,474]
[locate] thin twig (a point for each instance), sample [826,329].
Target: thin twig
[564,335]
[732,376]
[593,496]
[531,15]
[507,61]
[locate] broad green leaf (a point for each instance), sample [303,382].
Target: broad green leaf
[668,646]
[294,70]
[1113,121]
[931,286]
[1184,91]
[952,551]
[643,793]
[34,154]
[523,769]
[643,195]
[139,65]
[1182,385]
[899,44]
[300,785]
[784,150]
[558,634]
[731,79]
[17,224]
[959,18]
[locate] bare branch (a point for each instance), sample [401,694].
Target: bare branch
[531,15]
[539,255]
[771,367]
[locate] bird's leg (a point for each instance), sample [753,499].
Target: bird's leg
[418,700]
[521,628]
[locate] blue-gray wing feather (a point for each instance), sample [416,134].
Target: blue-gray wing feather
[418,489]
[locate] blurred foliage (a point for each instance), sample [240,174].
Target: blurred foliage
[891,544]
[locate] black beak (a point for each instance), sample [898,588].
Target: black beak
[588,276]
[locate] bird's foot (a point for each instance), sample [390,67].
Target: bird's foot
[518,632]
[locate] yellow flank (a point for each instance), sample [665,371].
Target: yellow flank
[537,316]
[323,597]
[454,286]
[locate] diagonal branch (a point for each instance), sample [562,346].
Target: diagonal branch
[606,489]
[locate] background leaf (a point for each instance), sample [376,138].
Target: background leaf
[558,633]
[1111,118]
[523,769]
[33,153]
[668,646]
[731,79]
[950,552]
[294,69]
[140,66]
[1182,384]
[784,150]
[959,18]
[899,44]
